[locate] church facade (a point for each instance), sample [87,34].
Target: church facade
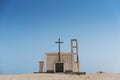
[62,61]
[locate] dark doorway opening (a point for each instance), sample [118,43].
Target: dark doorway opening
[59,67]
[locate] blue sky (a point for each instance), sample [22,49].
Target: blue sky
[29,28]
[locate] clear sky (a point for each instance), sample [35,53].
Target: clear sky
[29,28]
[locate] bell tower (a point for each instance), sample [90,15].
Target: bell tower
[74,50]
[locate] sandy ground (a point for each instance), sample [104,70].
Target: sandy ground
[61,76]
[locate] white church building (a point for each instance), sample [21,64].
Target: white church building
[61,61]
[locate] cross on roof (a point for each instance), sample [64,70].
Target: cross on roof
[59,42]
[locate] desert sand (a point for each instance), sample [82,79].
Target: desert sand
[61,76]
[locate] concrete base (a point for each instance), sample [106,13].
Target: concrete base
[78,73]
[73,73]
[50,71]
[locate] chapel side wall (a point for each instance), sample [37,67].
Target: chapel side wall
[75,66]
[45,64]
[67,60]
[41,65]
[50,62]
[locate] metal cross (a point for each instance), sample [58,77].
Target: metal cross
[59,42]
